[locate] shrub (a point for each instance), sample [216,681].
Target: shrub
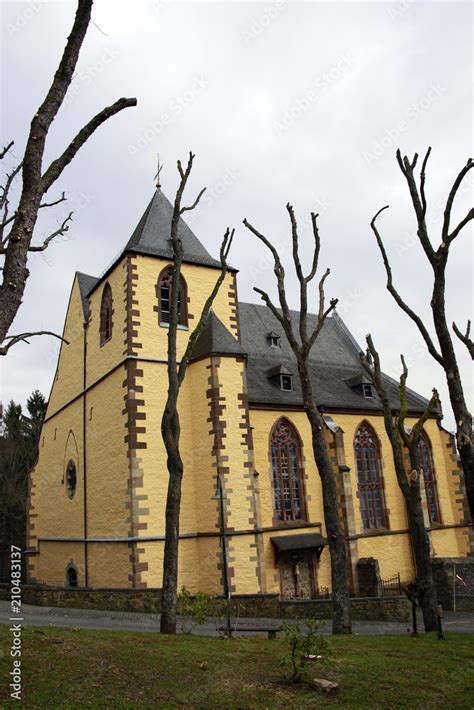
[303,644]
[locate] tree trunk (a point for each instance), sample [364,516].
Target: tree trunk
[416,524]
[171,430]
[464,434]
[341,621]
[421,551]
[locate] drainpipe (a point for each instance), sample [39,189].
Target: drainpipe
[84,449]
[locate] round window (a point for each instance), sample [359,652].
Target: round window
[71,478]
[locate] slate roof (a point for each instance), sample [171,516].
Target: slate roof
[86,284]
[216,339]
[152,235]
[334,361]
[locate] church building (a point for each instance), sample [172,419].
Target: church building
[98,491]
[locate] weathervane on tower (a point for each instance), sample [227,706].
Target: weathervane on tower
[159,168]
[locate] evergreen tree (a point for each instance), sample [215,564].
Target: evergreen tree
[18,454]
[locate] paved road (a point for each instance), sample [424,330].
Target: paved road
[131,621]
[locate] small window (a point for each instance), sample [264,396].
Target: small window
[286,382]
[106,312]
[71,576]
[367,391]
[71,479]
[273,339]
[165,284]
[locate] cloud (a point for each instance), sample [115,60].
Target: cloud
[217,78]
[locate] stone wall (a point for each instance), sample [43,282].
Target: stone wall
[454,577]
[262,606]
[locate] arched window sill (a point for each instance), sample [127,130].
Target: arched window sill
[104,342]
[180,327]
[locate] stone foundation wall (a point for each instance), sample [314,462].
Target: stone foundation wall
[262,606]
[454,576]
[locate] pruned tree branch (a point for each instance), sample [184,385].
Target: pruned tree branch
[464,338]
[17,245]
[5,149]
[446,237]
[399,300]
[224,253]
[6,188]
[418,198]
[56,202]
[279,272]
[422,181]
[4,199]
[59,232]
[23,337]
[58,165]
[195,203]
[443,352]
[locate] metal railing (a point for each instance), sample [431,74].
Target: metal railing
[391,587]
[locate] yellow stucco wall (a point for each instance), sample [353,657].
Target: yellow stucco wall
[59,515]
[102,358]
[55,557]
[68,379]
[107,463]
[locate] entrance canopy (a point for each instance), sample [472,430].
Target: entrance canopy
[305,541]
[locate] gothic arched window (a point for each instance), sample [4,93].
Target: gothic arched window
[369,475]
[106,315]
[285,451]
[429,475]
[164,288]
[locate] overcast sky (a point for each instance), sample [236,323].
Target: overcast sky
[304,102]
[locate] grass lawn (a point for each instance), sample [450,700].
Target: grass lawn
[102,669]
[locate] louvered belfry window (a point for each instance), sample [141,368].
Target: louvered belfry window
[164,289]
[369,474]
[285,452]
[106,315]
[429,476]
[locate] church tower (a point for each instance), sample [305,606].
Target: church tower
[98,491]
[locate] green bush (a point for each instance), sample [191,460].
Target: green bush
[195,608]
[303,644]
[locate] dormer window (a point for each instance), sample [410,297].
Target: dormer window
[361,385]
[367,391]
[273,339]
[281,378]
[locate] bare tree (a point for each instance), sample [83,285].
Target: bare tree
[17,228]
[409,482]
[442,351]
[170,424]
[301,343]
